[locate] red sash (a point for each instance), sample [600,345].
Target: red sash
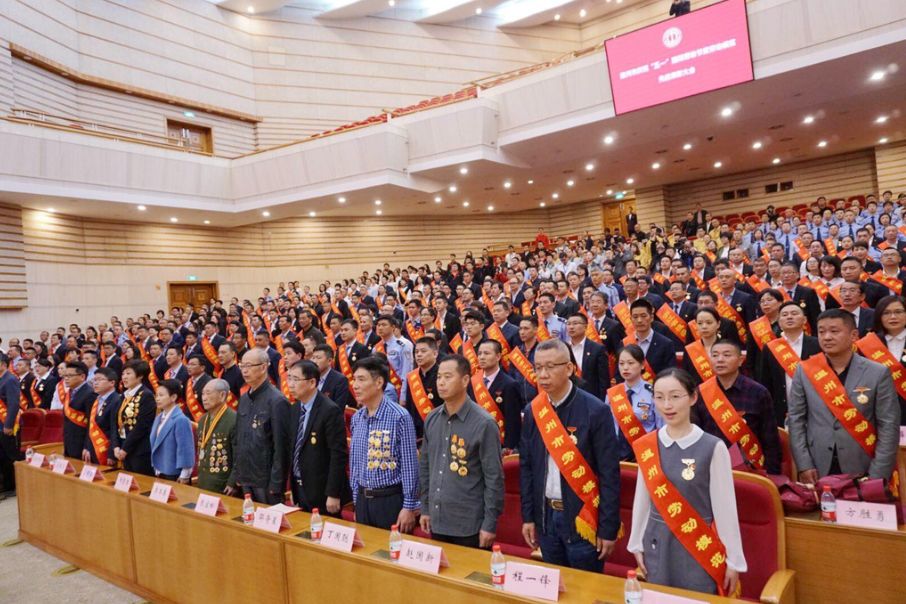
[394,376]
[590,332]
[281,370]
[456,343]
[571,463]
[249,334]
[784,354]
[414,333]
[683,520]
[672,320]
[833,394]
[468,351]
[99,441]
[495,333]
[621,311]
[210,354]
[725,310]
[76,417]
[194,406]
[872,347]
[647,373]
[526,309]
[345,365]
[543,333]
[629,424]
[891,283]
[698,356]
[483,397]
[757,284]
[521,362]
[733,426]
[761,331]
[821,288]
[418,395]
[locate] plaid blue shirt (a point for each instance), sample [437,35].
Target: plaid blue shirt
[390,437]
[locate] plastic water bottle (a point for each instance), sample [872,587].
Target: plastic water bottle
[632,591]
[317,525]
[498,568]
[29,453]
[248,510]
[828,505]
[396,542]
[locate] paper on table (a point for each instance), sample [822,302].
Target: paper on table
[283,508]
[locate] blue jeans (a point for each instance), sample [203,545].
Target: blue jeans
[561,545]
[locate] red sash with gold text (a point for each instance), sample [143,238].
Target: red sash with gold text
[698,356]
[733,426]
[486,401]
[873,348]
[629,424]
[99,441]
[418,395]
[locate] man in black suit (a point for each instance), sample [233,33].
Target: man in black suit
[805,297]
[741,302]
[112,359]
[589,357]
[366,325]
[158,359]
[646,293]
[891,272]
[198,379]
[851,270]
[211,335]
[45,383]
[449,322]
[130,424]
[503,389]
[352,348]
[105,405]
[81,397]
[679,302]
[773,375]
[659,350]
[176,370]
[610,330]
[852,294]
[317,439]
[632,219]
[263,341]
[425,354]
[500,312]
[331,383]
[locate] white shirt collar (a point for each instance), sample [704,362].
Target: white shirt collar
[684,442]
[132,392]
[797,341]
[899,338]
[490,378]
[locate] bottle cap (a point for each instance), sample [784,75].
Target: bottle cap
[248,495]
[630,574]
[315,511]
[395,527]
[496,548]
[826,488]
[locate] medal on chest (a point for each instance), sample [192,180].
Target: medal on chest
[572,434]
[689,471]
[862,399]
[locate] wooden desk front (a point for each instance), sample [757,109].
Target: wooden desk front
[169,553]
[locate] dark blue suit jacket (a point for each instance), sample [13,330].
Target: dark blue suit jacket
[73,435]
[595,369]
[598,444]
[661,352]
[507,394]
[511,333]
[336,388]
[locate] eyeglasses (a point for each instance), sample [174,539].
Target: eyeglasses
[548,368]
[673,398]
[250,365]
[893,312]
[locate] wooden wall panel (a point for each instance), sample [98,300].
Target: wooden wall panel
[576,218]
[40,90]
[836,176]
[13,291]
[6,78]
[890,161]
[651,206]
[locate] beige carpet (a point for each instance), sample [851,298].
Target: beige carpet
[27,574]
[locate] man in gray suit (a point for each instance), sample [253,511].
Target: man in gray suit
[820,444]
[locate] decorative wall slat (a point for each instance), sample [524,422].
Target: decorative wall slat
[6,78]
[836,176]
[651,206]
[891,167]
[13,291]
[575,219]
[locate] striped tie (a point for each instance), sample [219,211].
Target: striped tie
[300,436]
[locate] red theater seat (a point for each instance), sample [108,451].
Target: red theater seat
[53,427]
[787,465]
[859,198]
[509,525]
[621,560]
[348,413]
[31,424]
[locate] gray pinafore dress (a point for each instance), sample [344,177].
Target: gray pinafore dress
[666,559]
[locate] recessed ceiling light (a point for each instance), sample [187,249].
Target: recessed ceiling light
[437,199]
[542,204]
[557,17]
[608,140]
[378,212]
[881,119]
[490,208]
[570,182]
[174,219]
[51,210]
[718,164]
[378,202]
[582,13]
[507,184]
[250,9]
[464,170]
[555,196]
[342,200]
[757,145]
[188,114]
[655,165]
[207,222]
[878,75]
[478,11]
[452,189]
[465,204]
[775,161]
[822,144]
[589,167]
[610,191]
[882,141]
[391,2]
[142,208]
[726,112]
[687,146]
[531,181]
[630,180]
[809,119]
[312,214]
[265,213]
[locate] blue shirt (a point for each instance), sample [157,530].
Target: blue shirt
[382,452]
[399,353]
[307,406]
[642,397]
[556,326]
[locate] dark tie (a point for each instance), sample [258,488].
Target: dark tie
[790,292]
[487,382]
[300,437]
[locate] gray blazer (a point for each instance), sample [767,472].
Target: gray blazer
[814,431]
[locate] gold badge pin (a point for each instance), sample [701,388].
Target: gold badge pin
[862,399]
[461,452]
[314,440]
[572,435]
[430,396]
[453,449]
[689,471]
[462,442]
[392,465]
[383,465]
[463,471]
[499,399]
[454,466]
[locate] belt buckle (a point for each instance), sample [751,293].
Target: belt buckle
[556,504]
[369,494]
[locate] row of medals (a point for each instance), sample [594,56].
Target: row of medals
[218,461]
[458,449]
[379,451]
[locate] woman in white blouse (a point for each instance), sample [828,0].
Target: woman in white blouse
[698,466]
